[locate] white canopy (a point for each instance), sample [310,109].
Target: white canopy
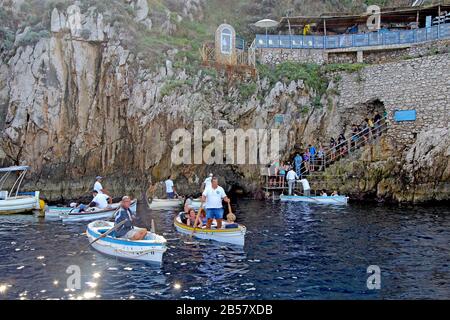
[266,23]
[15,168]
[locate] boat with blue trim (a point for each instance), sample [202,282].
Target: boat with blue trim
[149,250]
[68,214]
[339,200]
[229,235]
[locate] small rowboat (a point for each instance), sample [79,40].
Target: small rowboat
[94,214]
[13,201]
[234,236]
[316,199]
[161,204]
[149,250]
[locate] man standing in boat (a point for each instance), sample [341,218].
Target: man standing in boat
[291,176]
[170,188]
[98,186]
[213,203]
[127,230]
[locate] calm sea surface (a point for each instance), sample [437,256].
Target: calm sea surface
[292,251]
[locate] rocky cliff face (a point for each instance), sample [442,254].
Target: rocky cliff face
[80,103]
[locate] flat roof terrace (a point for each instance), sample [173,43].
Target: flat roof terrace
[332,21]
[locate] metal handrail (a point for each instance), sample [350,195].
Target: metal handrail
[331,154]
[436,32]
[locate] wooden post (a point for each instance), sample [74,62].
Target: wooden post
[324,33]
[439,24]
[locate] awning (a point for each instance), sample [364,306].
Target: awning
[388,15]
[15,168]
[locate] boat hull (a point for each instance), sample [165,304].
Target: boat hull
[103,214]
[165,204]
[20,204]
[337,200]
[232,236]
[150,251]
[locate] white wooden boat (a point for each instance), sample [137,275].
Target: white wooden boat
[339,200]
[149,250]
[234,236]
[94,213]
[12,201]
[161,204]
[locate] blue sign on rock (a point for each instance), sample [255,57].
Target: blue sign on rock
[405,115]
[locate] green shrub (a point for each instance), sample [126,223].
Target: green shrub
[171,85]
[32,37]
[346,67]
[247,90]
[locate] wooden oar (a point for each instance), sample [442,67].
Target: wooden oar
[196,218]
[109,231]
[153,229]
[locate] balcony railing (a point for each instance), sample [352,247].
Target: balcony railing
[381,38]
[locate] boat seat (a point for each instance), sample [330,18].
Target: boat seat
[3,195]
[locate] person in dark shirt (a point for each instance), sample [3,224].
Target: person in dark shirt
[377,123]
[127,230]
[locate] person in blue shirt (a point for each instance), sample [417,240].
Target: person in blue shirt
[127,230]
[312,152]
[298,164]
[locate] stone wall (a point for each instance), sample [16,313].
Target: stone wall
[371,55]
[273,56]
[422,84]
[416,51]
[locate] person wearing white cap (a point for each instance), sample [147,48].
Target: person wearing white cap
[207,183]
[98,186]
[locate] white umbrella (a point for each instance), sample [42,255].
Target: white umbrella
[266,23]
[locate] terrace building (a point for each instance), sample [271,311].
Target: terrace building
[345,38]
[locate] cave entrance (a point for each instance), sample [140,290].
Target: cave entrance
[374,106]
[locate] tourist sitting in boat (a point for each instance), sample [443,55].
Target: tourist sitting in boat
[187,204]
[323,193]
[191,219]
[100,200]
[170,188]
[231,224]
[335,194]
[127,230]
[212,198]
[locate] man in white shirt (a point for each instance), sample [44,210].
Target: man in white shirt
[98,186]
[170,188]
[306,187]
[100,200]
[213,203]
[207,182]
[291,176]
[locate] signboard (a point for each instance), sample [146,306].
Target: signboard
[428,22]
[405,115]
[279,118]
